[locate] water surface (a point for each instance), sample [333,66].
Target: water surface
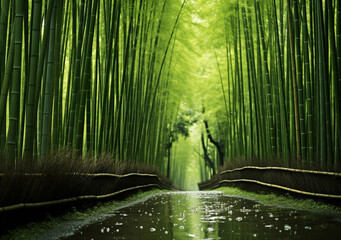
[209,215]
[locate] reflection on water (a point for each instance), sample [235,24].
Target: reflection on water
[209,215]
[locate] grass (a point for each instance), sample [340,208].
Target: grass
[285,201]
[36,229]
[50,179]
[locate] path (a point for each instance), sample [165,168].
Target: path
[208,215]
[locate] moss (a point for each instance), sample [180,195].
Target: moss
[286,201]
[35,229]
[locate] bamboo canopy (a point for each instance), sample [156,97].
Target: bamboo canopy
[116,77]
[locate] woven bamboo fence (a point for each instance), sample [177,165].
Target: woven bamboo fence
[98,186]
[304,182]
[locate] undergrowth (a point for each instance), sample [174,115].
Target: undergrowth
[50,178]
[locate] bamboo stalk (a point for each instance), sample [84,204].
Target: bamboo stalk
[48,87]
[294,83]
[13,131]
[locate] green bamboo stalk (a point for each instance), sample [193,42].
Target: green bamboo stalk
[230,134]
[338,124]
[299,79]
[294,82]
[76,84]
[3,33]
[136,91]
[24,80]
[128,134]
[39,82]
[12,137]
[46,125]
[322,97]
[35,42]
[307,78]
[120,121]
[111,64]
[283,109]
[86,75]
[4,93]
[262,103]
[65,54]
[336,86]
[328,88]
[239,91]
[154,29]
[248,61]
[241,81]
[95,95]
[59,62]
[268,85]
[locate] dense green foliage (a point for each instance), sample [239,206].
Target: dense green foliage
[267,73]
[111,76]
[91,75]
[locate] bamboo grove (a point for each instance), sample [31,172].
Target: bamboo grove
[90,75]
[276,77]
[113,76]
[292,58]
[267,74]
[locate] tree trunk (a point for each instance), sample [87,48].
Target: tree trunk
[217,144]
[206,156]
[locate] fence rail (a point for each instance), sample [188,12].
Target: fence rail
[284,169]
[73,199]
[117,183]
[310,183]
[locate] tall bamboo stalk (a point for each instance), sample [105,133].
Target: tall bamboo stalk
[12,137]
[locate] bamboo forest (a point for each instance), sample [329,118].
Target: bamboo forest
[101,98]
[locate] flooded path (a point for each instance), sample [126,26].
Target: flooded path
[209,215]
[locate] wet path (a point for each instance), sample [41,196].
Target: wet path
[209,215]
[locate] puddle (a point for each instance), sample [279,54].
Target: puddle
[208,215]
